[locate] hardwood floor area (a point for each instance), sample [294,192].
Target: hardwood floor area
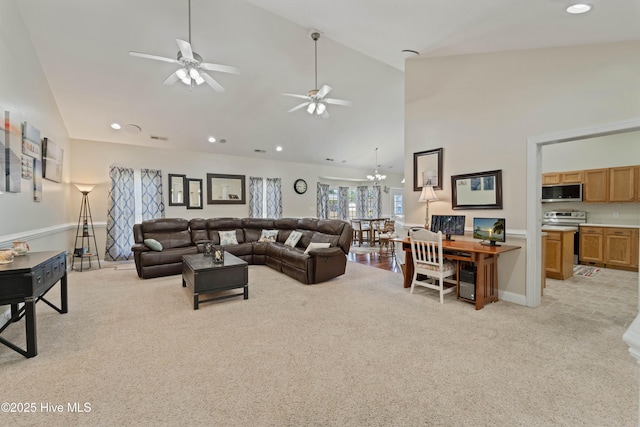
[374,259]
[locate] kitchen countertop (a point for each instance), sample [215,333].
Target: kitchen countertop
[609,225]
[557,228]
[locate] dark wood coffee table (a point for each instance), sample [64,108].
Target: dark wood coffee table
[204,277]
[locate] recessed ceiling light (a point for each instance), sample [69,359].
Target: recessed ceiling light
[116,126]
[579,8]
[278,147]
[410,52]
[212,139]
[222,141]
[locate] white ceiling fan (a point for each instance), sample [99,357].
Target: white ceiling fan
[192,69]
[315,99]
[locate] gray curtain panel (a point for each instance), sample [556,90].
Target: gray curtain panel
[120,215]
[274,198]
[152,204]
[343,203]
[376,206]
[362,201]
[255,197]
[323,201]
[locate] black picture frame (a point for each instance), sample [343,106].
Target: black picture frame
[235,184]
[423,163]
[194,193]
[486,193]
[177,183]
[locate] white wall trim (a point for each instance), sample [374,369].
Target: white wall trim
[7,240]
[534,193]
[512,297]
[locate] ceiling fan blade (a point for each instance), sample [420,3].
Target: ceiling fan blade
[211,82]
[220,68]
[147,56]
[298,107]
[185,49]
[338,102]
[295,95]
[324,90]
[171,79]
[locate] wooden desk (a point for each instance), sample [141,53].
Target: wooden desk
[484,257]
[27,280]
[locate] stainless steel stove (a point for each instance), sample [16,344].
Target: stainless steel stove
[567,218]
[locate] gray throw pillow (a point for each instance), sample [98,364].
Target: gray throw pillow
[153,244]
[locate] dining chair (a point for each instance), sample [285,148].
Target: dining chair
[387,233]
[360,231]
[426,250]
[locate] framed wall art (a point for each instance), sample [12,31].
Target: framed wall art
[427,169]
[481,190]
[51,160]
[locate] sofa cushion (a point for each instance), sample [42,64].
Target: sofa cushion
[268,236]
[167,256]
[294,258]
[293,239]
[153,244]
[228,237]
[325,238]
[314,245]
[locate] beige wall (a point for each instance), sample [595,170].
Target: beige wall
[24,91]
[482,108]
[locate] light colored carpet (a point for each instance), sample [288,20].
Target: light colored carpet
[358,350]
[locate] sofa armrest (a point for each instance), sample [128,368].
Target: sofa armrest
[140,247]
[326,252]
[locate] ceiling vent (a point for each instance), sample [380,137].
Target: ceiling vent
[259,151]
[159,138]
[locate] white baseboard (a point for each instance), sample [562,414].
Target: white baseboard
[512,297]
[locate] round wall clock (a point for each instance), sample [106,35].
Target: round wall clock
[300,186]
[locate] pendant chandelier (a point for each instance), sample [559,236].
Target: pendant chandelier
[376,177]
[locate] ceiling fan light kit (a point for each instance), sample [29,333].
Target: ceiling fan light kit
[192,70]
[315,100]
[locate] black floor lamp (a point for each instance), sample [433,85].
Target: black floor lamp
[85,231]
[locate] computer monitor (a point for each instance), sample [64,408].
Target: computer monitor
[448,224]
[489,230]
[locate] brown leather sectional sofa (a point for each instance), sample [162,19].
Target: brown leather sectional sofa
[181,237]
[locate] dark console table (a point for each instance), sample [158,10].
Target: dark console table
[27,280]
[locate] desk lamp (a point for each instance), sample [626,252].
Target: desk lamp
[426,196]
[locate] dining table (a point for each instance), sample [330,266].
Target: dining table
[372,227]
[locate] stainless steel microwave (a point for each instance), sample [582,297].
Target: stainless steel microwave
[562,193]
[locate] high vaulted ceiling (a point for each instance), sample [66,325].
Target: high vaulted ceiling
[83,48]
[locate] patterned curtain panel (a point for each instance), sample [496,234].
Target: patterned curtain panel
[255,197]
[152,204]
[274,198]
[376,206]
[343,203]
[120,215]
[362,202]
[323,201]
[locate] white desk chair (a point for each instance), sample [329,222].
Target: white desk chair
[426,250]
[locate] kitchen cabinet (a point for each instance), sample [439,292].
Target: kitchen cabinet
[623,184]
[617,247]
[634,248]
[611,247]
[591,245]
[596,186]
[559,254]
[572,177]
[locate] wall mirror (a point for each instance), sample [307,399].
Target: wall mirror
[225,189]
[427,169]
[177,190]
[194,193]
[482,190]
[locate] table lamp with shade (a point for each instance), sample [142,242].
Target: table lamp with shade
[427,196]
